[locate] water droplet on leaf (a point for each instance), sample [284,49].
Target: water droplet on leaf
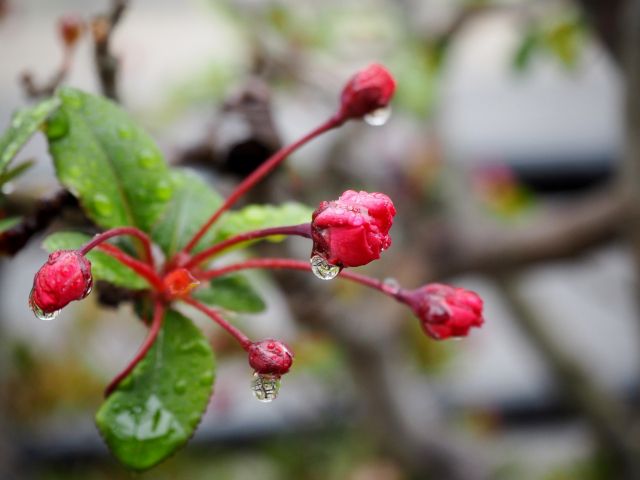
[147,158]
[378,117]
[163,190]
[102,204]
[180,386]
[323,269]
[265,387]
[38,312]
[57,126]
[71,98]
[125,132]
[206,378]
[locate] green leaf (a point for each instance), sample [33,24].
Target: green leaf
[527,47]
[253,217]
[103,266]
[11,173]
[156,409]
[108,162]
[192,204]
[8,223]
[23,125]
[232,292]
[565,37]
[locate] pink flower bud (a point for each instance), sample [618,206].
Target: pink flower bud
[368,90]
[445,311]
[70,28]
[270,357]
[65,277]
[354,229]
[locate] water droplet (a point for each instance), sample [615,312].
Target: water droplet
[71,98]
[265,387]
[147,158]
[38,312]
[196,346]
[17,120]
[378,117]
[125,132]
[102,204]
[206,378]
[180,386]
[323,269]
[163,190]
[57,126]
[392,285]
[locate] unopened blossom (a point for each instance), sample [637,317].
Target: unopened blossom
[354,229]
[368,90]
[270,357]
[64,278]
[445,311]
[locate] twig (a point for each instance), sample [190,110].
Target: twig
[106,63]
[46,211]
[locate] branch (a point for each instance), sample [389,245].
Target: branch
[106,63]
[562,231]
[45,212]
[608,418]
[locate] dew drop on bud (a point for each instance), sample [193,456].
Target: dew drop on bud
[265,387]
[323,269]
[39,313]
[378,117]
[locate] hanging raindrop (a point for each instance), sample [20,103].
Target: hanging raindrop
[39,313]
[378,117]
[323,269]
[265,387]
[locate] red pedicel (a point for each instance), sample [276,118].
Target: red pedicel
[354,229]
[64,278]
[444,311]
[270,357]
[368,90]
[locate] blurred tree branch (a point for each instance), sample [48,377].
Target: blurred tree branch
[609,418]
[107,65]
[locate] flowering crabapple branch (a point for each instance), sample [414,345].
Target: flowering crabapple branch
[350,231]
[369,90]
[444,311]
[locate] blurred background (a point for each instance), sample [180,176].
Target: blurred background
[513,157]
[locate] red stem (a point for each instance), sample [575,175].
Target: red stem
[115,232]
[242,339]
[156,323]
[134,264]
[287,263]
[257,175]
[302,230]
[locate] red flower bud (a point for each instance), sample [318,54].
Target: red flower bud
[65,277]
[445,311]
[354,229]
[368,90]
[70,28]
[270,357]
[179,283]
